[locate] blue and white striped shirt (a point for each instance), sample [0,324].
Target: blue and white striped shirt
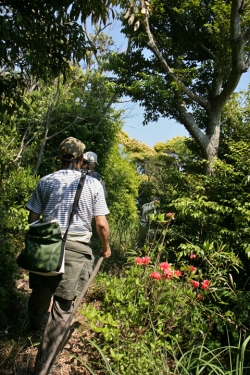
[54,198]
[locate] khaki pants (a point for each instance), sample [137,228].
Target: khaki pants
[78,267]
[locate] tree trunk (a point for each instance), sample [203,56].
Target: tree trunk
[209,142]
[211,148]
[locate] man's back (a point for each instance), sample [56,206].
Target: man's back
[54,196]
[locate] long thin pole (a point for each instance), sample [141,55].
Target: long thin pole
[61,338]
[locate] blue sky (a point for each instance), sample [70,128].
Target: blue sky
[163,129]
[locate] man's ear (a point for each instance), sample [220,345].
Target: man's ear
[80,160]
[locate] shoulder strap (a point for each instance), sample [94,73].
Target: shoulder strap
[76,200]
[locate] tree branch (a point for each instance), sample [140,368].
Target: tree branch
[152,45]
[47,123]
[115,95]
[188,121]
[238,42]
[66,127]
[23,144]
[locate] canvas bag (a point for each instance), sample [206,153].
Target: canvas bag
[44,249]
[44,245]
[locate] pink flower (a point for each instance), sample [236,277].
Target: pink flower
[165,266]
[155,275]
[192,255]
[199,296]
[205,284]
[138,261]
[145,260]
[170,215]
[192,268]
[168,273]
[177,273]
[195,283]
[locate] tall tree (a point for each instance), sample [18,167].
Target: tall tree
[54,109]
[184,60]
[78,108]
[41,39]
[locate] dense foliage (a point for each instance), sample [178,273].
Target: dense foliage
[184,60]
[29,144]
[183,279]
[188,285]
[40,39]
[157,309]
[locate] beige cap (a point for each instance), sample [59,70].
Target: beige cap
[71,146]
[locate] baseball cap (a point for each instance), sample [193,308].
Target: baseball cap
[71,146]
[91,157]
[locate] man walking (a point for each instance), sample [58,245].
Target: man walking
[90,161]
[147,209]
[145,230]
[53,199]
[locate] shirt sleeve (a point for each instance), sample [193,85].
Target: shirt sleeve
[100,206]
[35,202]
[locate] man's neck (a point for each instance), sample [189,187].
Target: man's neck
[73,167]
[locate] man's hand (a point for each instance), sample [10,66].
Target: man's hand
[106,253]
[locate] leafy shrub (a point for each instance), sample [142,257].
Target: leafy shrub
[155,305]
[15,192]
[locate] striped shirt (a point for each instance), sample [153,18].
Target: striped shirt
[54,198]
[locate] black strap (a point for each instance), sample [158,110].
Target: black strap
[76,200]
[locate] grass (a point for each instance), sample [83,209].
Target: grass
[200,360]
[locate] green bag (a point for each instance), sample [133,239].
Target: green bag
[44,249]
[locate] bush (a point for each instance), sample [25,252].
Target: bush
[154,305]
[15,192]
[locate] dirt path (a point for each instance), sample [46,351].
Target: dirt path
[18,349]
